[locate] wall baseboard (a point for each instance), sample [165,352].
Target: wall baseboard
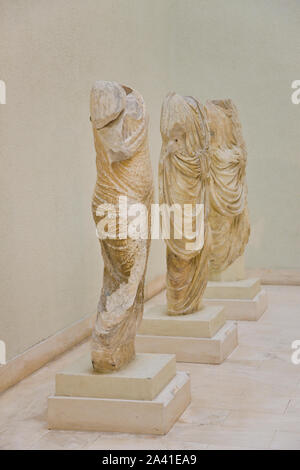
[40,354]
[281,277]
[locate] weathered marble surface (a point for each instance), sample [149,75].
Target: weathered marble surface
[183,179]
[228,209]
[120,127]
[203,161]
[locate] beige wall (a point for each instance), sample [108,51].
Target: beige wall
[249,50]
[50,54]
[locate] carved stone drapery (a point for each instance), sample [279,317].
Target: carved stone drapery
[203,161]
[183,179]
[120,127]
[228,212]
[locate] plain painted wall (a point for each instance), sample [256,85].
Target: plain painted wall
[50,55]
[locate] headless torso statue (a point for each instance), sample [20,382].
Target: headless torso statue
[120,127]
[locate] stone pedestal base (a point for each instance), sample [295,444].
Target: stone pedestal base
[242,300]
[147,396]
[202,337]
[243,289]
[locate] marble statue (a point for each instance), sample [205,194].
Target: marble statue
[203,160]
[120,127]
[184,179]
[228,210]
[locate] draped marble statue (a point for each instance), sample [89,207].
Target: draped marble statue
[184,180]
[120,127]
[203,161]
[228,212]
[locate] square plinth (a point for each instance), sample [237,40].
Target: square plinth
[155,416]
[202,324]
[190,349]
[142,379]
[243,309]
[244,289]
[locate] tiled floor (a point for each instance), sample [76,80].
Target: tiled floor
[251,401]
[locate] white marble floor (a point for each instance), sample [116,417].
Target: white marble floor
[252,400]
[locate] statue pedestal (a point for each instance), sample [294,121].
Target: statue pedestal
[147,396]
[242,299]
[203,337]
